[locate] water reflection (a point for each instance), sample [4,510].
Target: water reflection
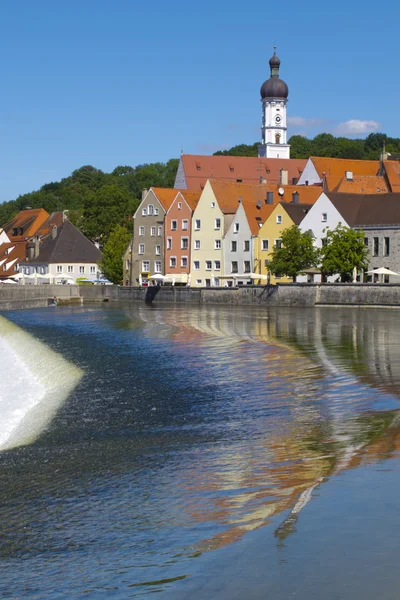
[326,366]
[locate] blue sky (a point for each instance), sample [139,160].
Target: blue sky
[121,82]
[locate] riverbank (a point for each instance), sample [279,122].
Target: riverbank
[302,295]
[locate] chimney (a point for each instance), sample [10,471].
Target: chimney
[144,192]
[36,249]
[240,199]
[349,175]
[270,198]
[54,232]
[263,180]
[30,251]
[295,197]
[284,176]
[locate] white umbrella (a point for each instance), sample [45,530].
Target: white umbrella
[18,276]
[382,271]
[157,276]
[257,276]
[9,281]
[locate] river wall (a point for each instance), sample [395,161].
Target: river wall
[307,295]
[16,297]
[344,294]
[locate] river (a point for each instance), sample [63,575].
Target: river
[208,453]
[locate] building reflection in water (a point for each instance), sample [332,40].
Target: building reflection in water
[326,382]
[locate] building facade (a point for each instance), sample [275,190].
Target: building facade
[178,230]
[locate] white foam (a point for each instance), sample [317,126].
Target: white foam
[34,383]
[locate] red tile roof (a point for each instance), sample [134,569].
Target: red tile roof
[198,169]
[392,168]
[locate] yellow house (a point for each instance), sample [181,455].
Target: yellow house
[283,216]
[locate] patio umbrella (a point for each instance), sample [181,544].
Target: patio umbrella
[9,281]
[382,271]
[157,276]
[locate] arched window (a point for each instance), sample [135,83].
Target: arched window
[277,138]
[150,209]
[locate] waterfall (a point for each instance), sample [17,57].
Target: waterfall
[34,383]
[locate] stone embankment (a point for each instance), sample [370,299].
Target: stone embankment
[308,295]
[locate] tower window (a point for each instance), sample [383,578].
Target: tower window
[277,138]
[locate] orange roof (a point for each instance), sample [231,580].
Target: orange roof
[165,196]
[392,168]
[27,222]
[191,198]
[362,184]
[334,169]
[198,169]
[228,193]
[257,216]
[16,255]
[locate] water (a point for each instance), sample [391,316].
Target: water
[206,453]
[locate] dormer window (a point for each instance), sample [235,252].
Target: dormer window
[198,166]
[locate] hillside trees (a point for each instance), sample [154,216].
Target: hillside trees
[113,251]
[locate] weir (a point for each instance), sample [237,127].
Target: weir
[36,381]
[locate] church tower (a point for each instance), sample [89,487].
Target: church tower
[274,94]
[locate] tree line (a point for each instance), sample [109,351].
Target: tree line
[326,144]
[96,201]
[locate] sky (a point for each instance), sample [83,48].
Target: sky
[123,82]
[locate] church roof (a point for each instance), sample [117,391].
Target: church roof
[274,87]
[237,169]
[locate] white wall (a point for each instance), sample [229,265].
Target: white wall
[309,174]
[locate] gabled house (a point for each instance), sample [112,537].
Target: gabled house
[378,218]
[194,170]
[15,236]
[178,227]
[329,172]
[60,252]
[283,216]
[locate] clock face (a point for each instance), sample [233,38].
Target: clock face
[278,119]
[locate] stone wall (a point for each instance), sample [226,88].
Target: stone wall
[307,295]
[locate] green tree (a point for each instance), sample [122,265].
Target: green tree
[300,147]
[295,254]
[344,251]
[240,150]
[113,252]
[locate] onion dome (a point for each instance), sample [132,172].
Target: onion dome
[274,87]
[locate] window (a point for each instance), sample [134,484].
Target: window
[169,243]
[141,230]
[81,269]
[217,244]
[145,266]
[217,265]
[150,209]
[247,266]
[159,230]
[386,246]
[92,270]
[324,242]
[172,262]
[185,225]
[376,246]
[198,281]
[197,244]
[197,224]
[366,242]
[153,231]
[234,266]
[236,228]
[158,250]
[264,244]
[208,282]
[184,262]
[246,245]
[156,212]
[266,262]
[174,225]
[141,248]
[212,204]
[157,266]
[279,219]
[208,265]
[217,224]
[59,269]
[196,265]
[233,246]
[324,217]
[70,269]
[184,243]
[144,211]
[127,264]
[216,281]
[179,205]
[278,243]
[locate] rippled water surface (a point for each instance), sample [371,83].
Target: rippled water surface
[210,453]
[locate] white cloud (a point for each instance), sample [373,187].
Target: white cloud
[357,127]
[303,122]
